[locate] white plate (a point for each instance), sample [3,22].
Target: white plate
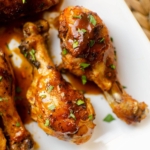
[133,53]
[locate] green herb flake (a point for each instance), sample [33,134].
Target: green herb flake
[84,65]
[72,115]
[25,54]
[17,124]
[47,123]
[124,87]
[43,96]
[64,51]
[92,20]
[92,42]
[84,79]
[102,40]
[1,114]
[1,99]
[18,89]
[51,107]
[82,91]
[1,77]
[32,53]
[82,31]
[77,16]
[112,66]
[111,39]
[50,88]
[75,44]
[91,117]
[23,1]
[7,46]
[79,102]
[109,118]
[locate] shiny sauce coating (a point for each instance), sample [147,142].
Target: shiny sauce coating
[23,74]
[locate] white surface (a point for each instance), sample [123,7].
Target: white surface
[133,51]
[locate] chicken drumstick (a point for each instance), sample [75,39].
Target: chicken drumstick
[87,51]
[16,134]
[58,109]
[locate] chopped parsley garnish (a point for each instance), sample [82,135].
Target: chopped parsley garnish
[112,66]
[84,79]
[92,20]
[43,96]
[64,51]
[47,122]
[1,77]
[77,16]
[75,44]
[82,91]
[102,40]
[124,87]
[115,53]
[51,107]
[32,53]
[17,124]
[82,31]
[79,102]
[84,65]
[72,115]
[111,39]
[109,118]
[23,1]
[25,54]
[50,88]
[3,99]
[7,46]
[91,117]
[18,89]
[92,42]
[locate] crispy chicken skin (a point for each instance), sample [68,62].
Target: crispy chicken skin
[58,109]
[87,51]
[18,138]
[13,9]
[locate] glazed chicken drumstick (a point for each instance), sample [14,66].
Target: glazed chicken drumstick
[87,51]
[58,109]
[13,130]
[13,9]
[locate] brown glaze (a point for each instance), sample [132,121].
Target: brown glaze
[23,80]
[94,47]
[17,136]
[10,10]
[67,120]
[23,75]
